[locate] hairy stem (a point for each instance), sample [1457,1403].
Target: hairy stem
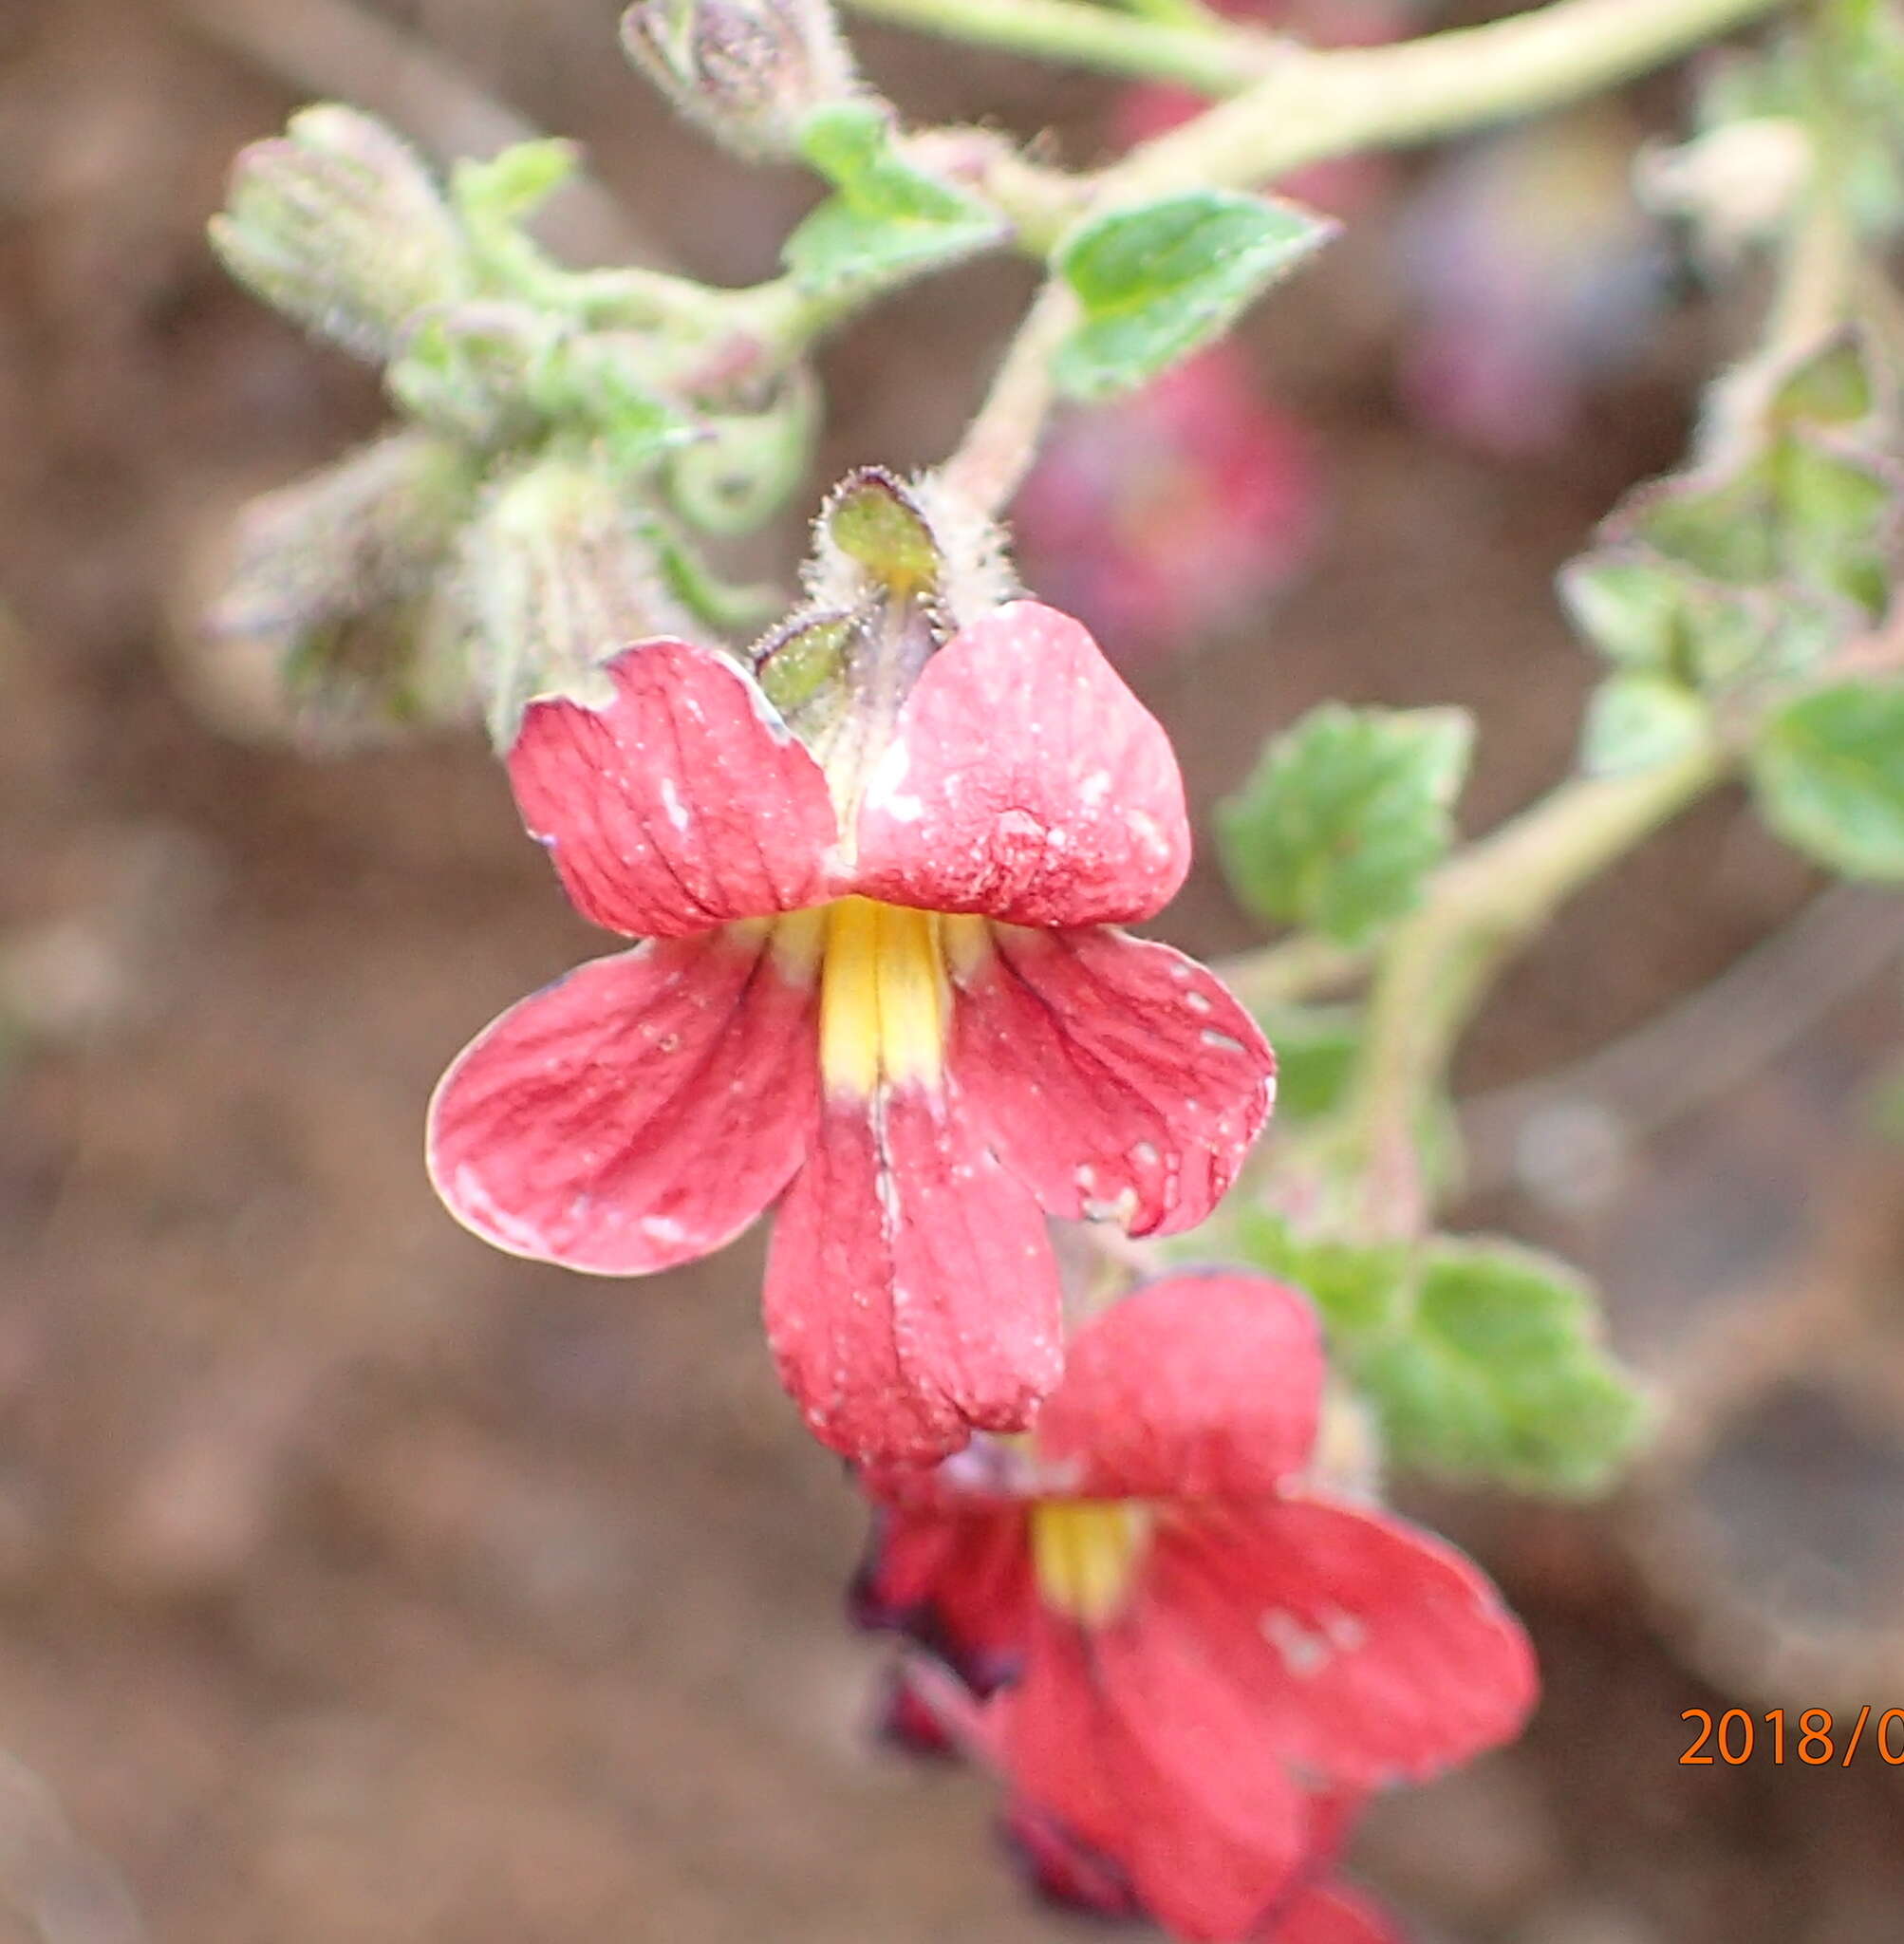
[1000,443]
[1213,62]
[1309,105]
[1481,908]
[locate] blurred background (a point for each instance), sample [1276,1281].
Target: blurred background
[359,1586]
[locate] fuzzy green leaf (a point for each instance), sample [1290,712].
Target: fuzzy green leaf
[1359,1289]
[1315,1052]
[1344,815]
[1499,1373]
[888,219]
[1829,771]
[1160,279]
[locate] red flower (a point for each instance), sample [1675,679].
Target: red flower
[1195,1661]
[888,989]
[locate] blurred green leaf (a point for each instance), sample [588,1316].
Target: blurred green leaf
[1160,279]
[1638,721]
[1753,566]
[1829,773]
[888,219]
[1499,1373]
[1360,1290]
[1315,1052]
[1344,815]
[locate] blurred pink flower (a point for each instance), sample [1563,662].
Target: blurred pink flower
[1166,517]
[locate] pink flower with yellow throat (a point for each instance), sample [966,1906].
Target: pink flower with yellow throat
[1196,1656]
[878,877]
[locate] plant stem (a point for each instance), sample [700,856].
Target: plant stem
[1481,908]
[1000,443]
[1213,62]
[1309,105]
[1188,13]
[1294,969]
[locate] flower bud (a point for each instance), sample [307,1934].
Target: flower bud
[750,71]
[557,574]
[318,622]
[338,224]
[372,528]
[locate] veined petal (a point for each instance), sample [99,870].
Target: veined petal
[1364,1651]
[960,1586]
[1024,780]
[1195,1386]
[912,1292]
[637,1113]
[1118,1077]
[682,803]
[1137,1747]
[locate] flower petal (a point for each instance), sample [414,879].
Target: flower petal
[1197,1387]
[1134,1745]
[1330,1915]
[960,1586]
[637,1113]
[1364,1651]
[1024,780]
[1118,1078]
[682,803]
[912,1292]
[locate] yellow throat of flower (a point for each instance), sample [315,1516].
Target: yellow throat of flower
[884,994]
[1086,1553]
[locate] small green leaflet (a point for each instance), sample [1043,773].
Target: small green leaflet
[1502,1373]
[1159,280]
[1828,772]
[1482,1359]
[1344,815]
[1638,721]
[888,219]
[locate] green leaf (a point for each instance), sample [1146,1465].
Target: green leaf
[1344,815]
[1315,1051]
[1160,279]
[1829,772]
[514,184]
[1638,721]
[1359,1289]
[1627,606]
[596,381]
[889,219]
[1499,1373]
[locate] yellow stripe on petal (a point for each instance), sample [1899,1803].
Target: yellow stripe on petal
[1086,1553]
[883,998]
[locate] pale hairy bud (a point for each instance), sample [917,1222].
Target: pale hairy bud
[320,621]
[555,575]
[750,71]
[338,223]
[372,528]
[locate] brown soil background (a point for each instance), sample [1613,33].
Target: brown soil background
[360,1586]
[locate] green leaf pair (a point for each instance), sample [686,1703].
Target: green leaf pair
[1482,1360]
[1344,816]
